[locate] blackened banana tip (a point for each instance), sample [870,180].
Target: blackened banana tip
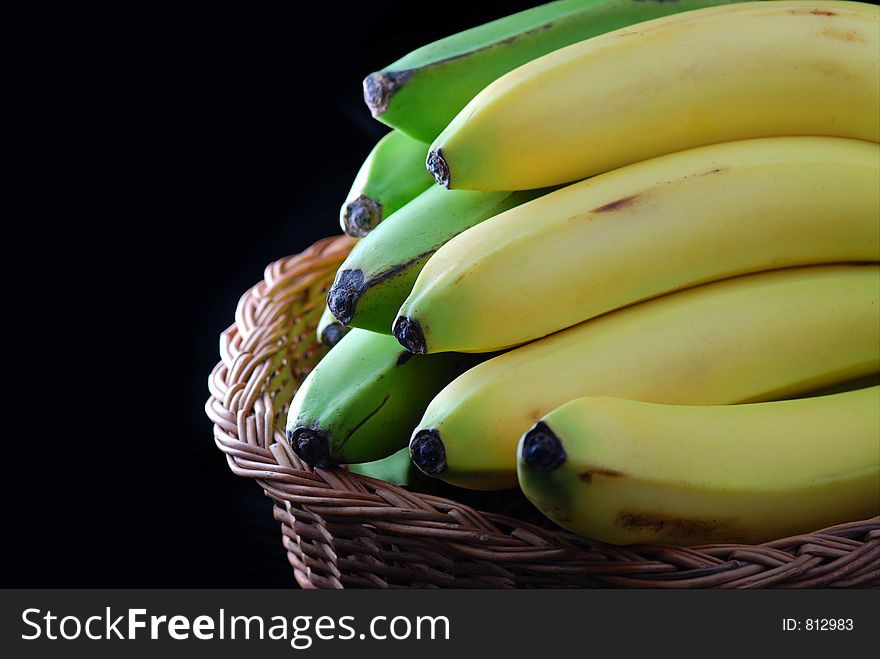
[438,167]
[542,450]
[376,94]
[380,88]
[331,334]
[343,296]
[409,333]
[361,216]
[311,445]
[428,453]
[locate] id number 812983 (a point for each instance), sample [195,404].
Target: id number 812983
[817,624]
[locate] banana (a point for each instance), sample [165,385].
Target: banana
[397,469]
[362,400]
[625,472]
[756,69]
[329,329]
[379,272]
[420,93]
[675,221]
[750,338]
[392,174]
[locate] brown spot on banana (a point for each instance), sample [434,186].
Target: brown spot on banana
[587,476]
[631,200]
[802,11]
[851,36]
[617,204]
[681,528]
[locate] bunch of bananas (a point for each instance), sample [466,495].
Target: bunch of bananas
[647,288]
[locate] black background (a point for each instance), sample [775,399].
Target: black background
[159,159]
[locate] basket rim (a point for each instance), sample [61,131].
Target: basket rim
[342,529]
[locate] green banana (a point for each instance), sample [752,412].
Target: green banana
[397,469]
[392,174]
[749,338]
[329,329]
[362,400]
[626,471]
[379,272]
[422,92]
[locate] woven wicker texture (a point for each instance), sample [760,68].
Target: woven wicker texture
[345,530]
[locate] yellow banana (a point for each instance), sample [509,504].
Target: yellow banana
[624,472]
[643,230]
[755,337]
[732,72]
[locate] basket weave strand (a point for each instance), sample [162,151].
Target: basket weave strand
[343,530]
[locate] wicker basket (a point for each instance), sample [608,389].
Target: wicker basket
[345,530]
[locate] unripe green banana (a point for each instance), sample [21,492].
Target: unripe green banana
[329,329]
[640,231]
[379,272]
[362,400]
[420,93]
[392,174]
[625,471]
[750,338]
[397,469]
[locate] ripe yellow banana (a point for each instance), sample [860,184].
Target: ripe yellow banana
[624,471]
[643,230]
[756,337]
[699,77]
